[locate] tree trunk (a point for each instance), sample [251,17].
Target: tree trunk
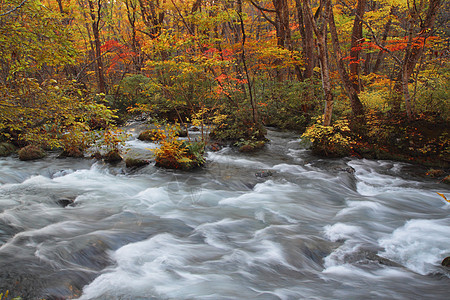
[320,29]
[415,49]
[95,16]
[307,33]
[355,103]
[355,49]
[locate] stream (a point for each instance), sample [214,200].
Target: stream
[277,224]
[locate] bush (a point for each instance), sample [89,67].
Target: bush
[330,141]
[152,135]
[238,126]
[176,154]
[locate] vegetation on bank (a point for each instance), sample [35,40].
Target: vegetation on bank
[377,86]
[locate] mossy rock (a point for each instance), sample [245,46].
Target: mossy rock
[252,146]
[150,135]
[435,173]
[112,156]
[446,262]
[135,163]
[182,133]
[446,179]
[31,152]
[77,153]
[6,149]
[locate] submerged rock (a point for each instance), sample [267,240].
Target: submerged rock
[63,202]
[31,152]
[263,174]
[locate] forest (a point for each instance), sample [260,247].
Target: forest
[353,77]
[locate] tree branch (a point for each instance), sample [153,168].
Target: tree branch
[14,9]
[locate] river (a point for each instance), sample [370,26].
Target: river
[277,224]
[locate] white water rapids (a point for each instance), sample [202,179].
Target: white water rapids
[312,229]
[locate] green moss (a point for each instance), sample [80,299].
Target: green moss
[6,149]
[31,152]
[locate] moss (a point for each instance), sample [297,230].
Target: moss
[435,173]
[251,146]
[31,152]
[112,156]
[6,149]
[135,163]
[73,152]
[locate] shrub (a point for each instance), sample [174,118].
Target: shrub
[176,154]
[331,141]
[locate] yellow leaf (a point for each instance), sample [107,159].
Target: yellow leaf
[443,196]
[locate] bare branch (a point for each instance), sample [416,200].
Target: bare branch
[14,9]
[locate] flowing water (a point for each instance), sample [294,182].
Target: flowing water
[278,224]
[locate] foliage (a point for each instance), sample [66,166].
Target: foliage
[152,135]
[176,154]
[6,295]
[238,125]
[249,145]
[289,104]
[331,141]
[51,114]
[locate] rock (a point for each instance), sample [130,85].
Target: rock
[150,135]
[136,163]
[264,174]
[96,155]
[112,156]
[182,133]
[446,262]
[349,170]
[6,149]
[194,128]
[435,173]
[252,146]
[63,202]
[31,152]
[214,147]
[77,153]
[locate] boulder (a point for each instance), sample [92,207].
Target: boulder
[6,149]
[112,156]
[31,152]
[136,163]
[252,146]
[446,262]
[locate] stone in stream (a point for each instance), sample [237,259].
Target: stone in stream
[136,163]
[263,174]
[31,152]
[7,149]
[446,262]
[64,202]
[112,156]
